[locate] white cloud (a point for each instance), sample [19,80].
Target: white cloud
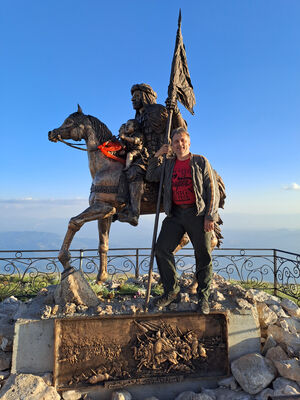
[53,201]
[292,186]
[19,208]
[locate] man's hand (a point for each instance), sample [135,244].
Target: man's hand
[208,225]
[163,150]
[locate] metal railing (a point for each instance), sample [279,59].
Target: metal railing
[24,272]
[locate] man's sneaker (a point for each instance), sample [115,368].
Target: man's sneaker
[166,299]
[203,307]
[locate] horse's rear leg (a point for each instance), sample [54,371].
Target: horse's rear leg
[96,211]
[103,228]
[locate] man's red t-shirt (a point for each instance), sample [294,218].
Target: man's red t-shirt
[182,184]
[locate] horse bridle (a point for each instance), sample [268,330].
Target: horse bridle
[72,144]
[76,125]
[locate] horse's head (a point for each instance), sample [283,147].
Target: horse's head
[72,128]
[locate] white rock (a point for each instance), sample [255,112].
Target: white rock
[68,309]
[9,306]
[276,354]
[4,375]
[218,296]
[242,303]
[287,390]
[74,288]
[229,383]
[220,280]
[280,383]
[184,297]
[281,336]
[48,378]
[284,325]
[108,310]
[264,395]
[253,372]
[269,343]
[121,395]
[71,395]
[262,297]
[210,392]
[29,387]
[291,307]
[289,369]
[292,324]
[278,310]
[266,315]
[193,396]
[227,394]
[46,312]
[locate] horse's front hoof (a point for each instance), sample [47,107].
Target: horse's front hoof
[101,277]
[64,257]
[66,272]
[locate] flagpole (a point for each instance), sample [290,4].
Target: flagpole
[151,262]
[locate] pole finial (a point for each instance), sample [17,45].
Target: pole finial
[179,18]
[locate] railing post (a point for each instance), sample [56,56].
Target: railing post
[137,270]
[80,260]
[275,271]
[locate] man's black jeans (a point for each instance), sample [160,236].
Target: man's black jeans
[173,228]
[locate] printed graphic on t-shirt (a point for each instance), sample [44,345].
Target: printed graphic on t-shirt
[182,184]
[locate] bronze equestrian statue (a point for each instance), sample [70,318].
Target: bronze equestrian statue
[106,172]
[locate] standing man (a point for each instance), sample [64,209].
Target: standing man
[191,199]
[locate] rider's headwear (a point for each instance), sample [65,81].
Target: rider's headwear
[144,87]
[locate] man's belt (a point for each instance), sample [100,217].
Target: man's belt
[184,206]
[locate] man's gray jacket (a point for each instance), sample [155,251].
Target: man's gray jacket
[204,183]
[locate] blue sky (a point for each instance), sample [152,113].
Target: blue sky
[244,61]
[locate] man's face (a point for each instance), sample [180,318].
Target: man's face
[181,145]
[137,100]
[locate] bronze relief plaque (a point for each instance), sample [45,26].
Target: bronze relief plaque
[122,350]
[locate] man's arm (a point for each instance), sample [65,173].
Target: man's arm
[212,195]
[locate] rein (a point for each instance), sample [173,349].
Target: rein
[71,144]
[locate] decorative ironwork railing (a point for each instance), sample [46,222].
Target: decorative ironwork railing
[24,273]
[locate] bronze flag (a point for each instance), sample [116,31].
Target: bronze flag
[180,87]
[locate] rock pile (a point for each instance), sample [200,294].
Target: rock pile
[274,372]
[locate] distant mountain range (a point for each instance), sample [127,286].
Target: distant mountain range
[33,240]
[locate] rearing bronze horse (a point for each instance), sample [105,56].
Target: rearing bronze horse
[105,174]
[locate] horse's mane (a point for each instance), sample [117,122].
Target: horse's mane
[102,132]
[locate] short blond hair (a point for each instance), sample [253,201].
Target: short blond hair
[179,131]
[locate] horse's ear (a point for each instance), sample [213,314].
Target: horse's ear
[79,109]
